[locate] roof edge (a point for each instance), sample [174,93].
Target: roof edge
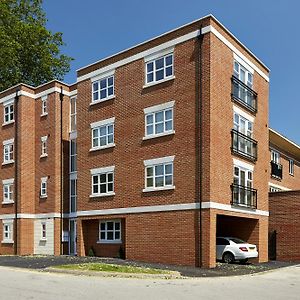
[285,138]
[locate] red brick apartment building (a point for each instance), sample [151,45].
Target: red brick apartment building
[168,148]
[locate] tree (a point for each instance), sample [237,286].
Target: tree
[29,52]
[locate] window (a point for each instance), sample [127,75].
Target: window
[73,195]
[73,114]
[275,156]
[43,193]
[103,134]
[274,189]
[159,174]
[43,231]
[8,113]
[243,181]
[8,151]
[7,231]
[103,89]
[110,231]
[44,144]
[243,74]
[73,156]
[291,166]
[44,106]
[8,191]
[159,69]
[103,184]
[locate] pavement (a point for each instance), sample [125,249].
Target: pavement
[45,262]
[278,284]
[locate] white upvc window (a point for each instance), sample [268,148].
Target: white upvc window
[8,115]
[43,191]
[44,146]
[103,134]
[275,156]
[103,182]
[159,69]
[159,120]
[8,151]
[110,231]
[291,166]
[243,183]
[73,156]
[159,174]
[243,74]
[8,196]
[73,114]
[274,189]
[43,231]
[44,106]
[103,89]
[7,231]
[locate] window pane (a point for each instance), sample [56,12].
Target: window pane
[159,170]
[102,226]
[159,63]
[169,169]
[159,128]
[168,125]
[117,225]
[168,180]
[169,71]
[103,94]
[102,188]
[117,235]
[95,86]
[110,187]
[103,84]
[103,131]
[169,60]
[150,182]
[149,119]
[110,235]
[110,225]
[95,179]
[102,178]
[150,171]
[159,181]
[150,77]
[150,129]
[102,235]
[149,67]
[110,129]
[159,117]
[110,81]
[110,177]
[110,91]
[103,141]
[160,75]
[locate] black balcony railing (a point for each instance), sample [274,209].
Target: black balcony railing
[243,145]
[243,196]
[243,94]
[276,170]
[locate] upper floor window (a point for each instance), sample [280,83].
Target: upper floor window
[8,151]
[103,181]
[7,231]
[44,146]
[44,106]
[291,166]
[103,134]
[243,74]
[8,191]
[73,156]
[159,174]
[159,120]
[275,156]
[103,89]
[73,114]
[43,191]
[8,113]
[160,68]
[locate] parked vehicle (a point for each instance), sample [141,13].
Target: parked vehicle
[230,249]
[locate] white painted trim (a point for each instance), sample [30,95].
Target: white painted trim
[7,217]
[44,97]
[138,56]
[103,122]
[103,147]
[73,176]
[211,29]
[8,181]
[44,138]
[159,107]
[161,160]
[30,216]
[242,164]
[73,135]
[8,123]
[111,97]
[153,136]
[8,142]
[44,179]
[159,54]
[242,63]
[169,78]
[102,170]
[157,189]
[103,75]
[8,100]
[279,186]
[243,114]
[73,93]
[102,195]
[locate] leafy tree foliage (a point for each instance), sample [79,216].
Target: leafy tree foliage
[29,52]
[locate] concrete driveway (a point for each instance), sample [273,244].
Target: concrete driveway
[278,284]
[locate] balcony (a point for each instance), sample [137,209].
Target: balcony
[243,196]
[243,145]
[276,170]
[243,94]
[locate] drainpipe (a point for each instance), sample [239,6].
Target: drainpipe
[16,172]
[61,97]
[199,137]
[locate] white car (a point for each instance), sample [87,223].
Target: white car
[230,249]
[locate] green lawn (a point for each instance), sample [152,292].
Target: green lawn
[101,267]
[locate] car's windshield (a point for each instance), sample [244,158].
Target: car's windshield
[238,241]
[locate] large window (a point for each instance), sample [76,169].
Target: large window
[102,184]
[159,122]
[7,231]
[8,113]
[8,151]
[103,89]
[275,156]
[103,136]
[159,69]
[73,114]
[8,196]
[73,156]
[243,74]
[110,231]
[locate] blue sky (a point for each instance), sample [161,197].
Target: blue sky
[93,29]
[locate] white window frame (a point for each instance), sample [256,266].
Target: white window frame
[73,156]
[43,231]
[8,151]
[44,106]
[238,68]
[113,231]
[291,167]
[248,182]
[73,114]
[10,114]
[152,164]
[274,189]
[152,112]
[275,156]
[44,187]
[44,146]
[105,125]
[7,226]
[8,192]
[97,81]
[97,173]
[152,60]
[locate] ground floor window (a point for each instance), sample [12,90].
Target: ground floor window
[7,232]
[110,231]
